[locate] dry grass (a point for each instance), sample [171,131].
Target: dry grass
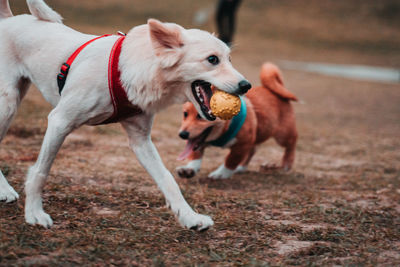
[340,204]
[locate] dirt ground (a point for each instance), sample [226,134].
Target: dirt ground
[340,205]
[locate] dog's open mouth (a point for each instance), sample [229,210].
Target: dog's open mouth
[194,144]
[202,93]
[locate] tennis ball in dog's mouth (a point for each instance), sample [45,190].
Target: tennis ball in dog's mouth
[224,105]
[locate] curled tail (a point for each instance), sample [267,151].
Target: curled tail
[5,11]
[271,78]
[39,9]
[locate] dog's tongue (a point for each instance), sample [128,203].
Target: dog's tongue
[188,149]
[206,99]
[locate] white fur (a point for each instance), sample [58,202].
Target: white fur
[230,143]
[221,172]
[192,165]
[7,193]
[43,12]
[190,169]
[240,169]
[5,10]
[158,63]
[151,161]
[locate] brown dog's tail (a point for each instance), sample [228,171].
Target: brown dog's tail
[271,78]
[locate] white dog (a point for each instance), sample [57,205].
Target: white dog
[160,64]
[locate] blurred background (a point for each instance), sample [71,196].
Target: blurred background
[339,205]
[356,31]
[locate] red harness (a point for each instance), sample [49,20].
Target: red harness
[123,108]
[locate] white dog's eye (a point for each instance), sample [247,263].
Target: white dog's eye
[214,60]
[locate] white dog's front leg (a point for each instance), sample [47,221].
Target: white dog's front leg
[138,130]
[151,161]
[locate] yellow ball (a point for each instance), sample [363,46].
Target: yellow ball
[224,105]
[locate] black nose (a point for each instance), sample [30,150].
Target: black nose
[244,86]
[184,135]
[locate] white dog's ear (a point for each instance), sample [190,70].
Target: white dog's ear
[167,41]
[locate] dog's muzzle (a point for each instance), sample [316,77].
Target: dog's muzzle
[243,87]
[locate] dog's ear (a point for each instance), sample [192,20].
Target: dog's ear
[165,36]
[167,41]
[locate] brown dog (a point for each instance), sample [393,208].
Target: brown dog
[269,114]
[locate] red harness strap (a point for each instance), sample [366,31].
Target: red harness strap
[62,76]
[123,108]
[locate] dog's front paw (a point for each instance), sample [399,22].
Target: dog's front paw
[221,173]
[8,194]
[196,221]
[241,169]
[185,172]
[38,217]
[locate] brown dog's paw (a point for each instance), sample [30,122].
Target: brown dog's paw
[185,172]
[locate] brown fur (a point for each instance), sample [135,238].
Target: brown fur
[269,114]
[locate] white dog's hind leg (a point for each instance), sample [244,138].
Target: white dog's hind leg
[58,128]
[10,98]
[138,130]
[7,193]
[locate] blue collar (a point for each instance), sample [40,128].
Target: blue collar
[234,127]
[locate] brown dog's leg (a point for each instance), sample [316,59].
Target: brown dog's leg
[189,170]
[288,157]
[290,147]
[249,157]
[289,143]
[237,155]
[243,165]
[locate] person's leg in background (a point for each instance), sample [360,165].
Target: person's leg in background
[225,17]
